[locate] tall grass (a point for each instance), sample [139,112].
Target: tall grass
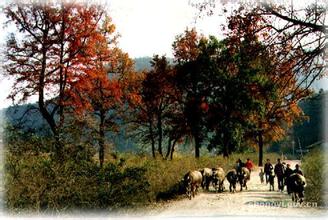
[315,167]
[37,183]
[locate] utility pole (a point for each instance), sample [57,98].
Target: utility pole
[299,144]
[293,145]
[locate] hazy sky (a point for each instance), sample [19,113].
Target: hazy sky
[147,27]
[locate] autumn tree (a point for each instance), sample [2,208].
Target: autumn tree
[48,54]
[229,100]
[250,95]
[97,96]
[237,89]
[158,101]
[295,36]
[101,93]
[233,73]
[212,92]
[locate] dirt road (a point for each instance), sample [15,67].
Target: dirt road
[256,201]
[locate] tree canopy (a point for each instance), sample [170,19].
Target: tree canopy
[225,94]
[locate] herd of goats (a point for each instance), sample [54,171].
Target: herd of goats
[205,177]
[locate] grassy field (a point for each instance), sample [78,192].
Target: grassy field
[34,182]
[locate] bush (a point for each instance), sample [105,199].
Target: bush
[19,141]
[122,188]
[314,165]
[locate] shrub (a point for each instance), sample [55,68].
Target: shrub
[122,187]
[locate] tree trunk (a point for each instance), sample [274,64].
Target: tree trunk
[160,134]
[102,139]
[152,139]
[42,105]
[52,124]
[197,146]
[225,151]
[168,149]
[173,148]
[153,148]
[58,147]
[260,142]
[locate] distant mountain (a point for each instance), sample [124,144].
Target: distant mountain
[28,119]
[143,63]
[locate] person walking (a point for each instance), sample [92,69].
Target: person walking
[288,172]
[279,171]
[249,165]
[267,169]
[261,174]
[298,170]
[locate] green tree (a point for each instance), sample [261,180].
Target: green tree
[277,90]
[296,35]
[194,80]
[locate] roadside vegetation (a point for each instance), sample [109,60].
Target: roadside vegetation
[315,167]
[38,183]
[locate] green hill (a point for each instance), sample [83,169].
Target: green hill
[311,130]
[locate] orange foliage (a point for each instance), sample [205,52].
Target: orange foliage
[186,46]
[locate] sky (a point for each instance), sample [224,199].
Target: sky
[149,27]
[146,27]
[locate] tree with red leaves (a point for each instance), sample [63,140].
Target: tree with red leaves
[152,118]
[55,47]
